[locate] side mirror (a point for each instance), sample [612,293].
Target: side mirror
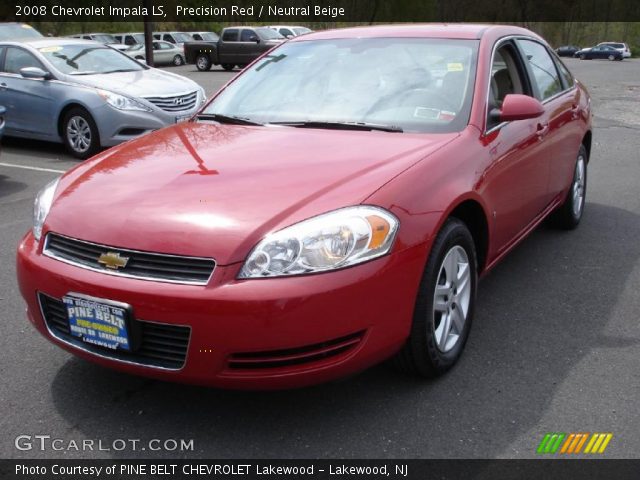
[255,39]
[517,107]
[34,72]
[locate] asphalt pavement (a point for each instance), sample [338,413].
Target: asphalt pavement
[555,346]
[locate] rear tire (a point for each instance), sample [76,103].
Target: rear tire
[178,60]
[80,133]
[611,58]
[228,66]
[568,216]
[203,62]
[444,305]
[583,56]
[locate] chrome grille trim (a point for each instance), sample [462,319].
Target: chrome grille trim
[174,103]
[90,262]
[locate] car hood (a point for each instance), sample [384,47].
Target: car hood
[211,190]
[139,83]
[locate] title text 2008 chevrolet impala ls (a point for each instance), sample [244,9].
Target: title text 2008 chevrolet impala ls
[331,207]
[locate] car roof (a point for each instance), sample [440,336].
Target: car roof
[425,30]
[50,42]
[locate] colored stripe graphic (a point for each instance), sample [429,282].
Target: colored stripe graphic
[551,442]
[572,443]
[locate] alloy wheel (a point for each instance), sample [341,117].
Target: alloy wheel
[452,298]
[578,187]
[79,134]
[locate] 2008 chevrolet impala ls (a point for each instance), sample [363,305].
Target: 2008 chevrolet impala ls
[331,207]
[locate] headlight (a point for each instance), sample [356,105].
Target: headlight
[334,240]
[41,207]
[121,102]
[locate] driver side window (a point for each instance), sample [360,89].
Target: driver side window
[506,78]
[17,58]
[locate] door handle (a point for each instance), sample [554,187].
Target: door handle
[541,130]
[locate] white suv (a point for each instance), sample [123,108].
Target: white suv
[621,47]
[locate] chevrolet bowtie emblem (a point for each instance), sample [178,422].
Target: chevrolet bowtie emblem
[113,260]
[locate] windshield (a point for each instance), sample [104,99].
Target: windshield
[301,30]
[267,34]
[104,38]
[418,85]
[209,36]
[86,59]
[182,37]
[11,31]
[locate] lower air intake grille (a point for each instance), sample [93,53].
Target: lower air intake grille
[160,344]
[294,356]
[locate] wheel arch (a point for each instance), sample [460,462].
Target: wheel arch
[586,141]
[471,212]
[65,109]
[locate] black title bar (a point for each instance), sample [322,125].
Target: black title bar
[320,469]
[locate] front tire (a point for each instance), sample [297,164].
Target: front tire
[80,133]
[583,56]
[568,216]
[203,62]
[444,305]
[611,58]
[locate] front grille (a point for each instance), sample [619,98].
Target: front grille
[175,103]
[160,344]
[143,265]
[294,356]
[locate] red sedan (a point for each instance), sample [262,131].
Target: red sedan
[331,207]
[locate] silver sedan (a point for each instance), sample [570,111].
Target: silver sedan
[164,53]
[86,95]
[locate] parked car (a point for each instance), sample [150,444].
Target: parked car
[177,38]
[130,38]
[204,36]
[3,112]
[87,95]
[621,47]
[331,207]
[16,31]
[290,31]
[567,50]
[104,38]
[237,46]
[164,53]
[599,52]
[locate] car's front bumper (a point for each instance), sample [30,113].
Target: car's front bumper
[117,126]
[370,304]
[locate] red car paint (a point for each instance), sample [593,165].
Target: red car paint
[205,190]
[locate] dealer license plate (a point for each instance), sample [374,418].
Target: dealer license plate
[97,322]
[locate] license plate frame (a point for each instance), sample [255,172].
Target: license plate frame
[98,321]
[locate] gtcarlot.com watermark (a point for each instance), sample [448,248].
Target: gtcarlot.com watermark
[47,443]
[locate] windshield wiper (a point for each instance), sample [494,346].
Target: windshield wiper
[230,119]
[122,70]
[341,125]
